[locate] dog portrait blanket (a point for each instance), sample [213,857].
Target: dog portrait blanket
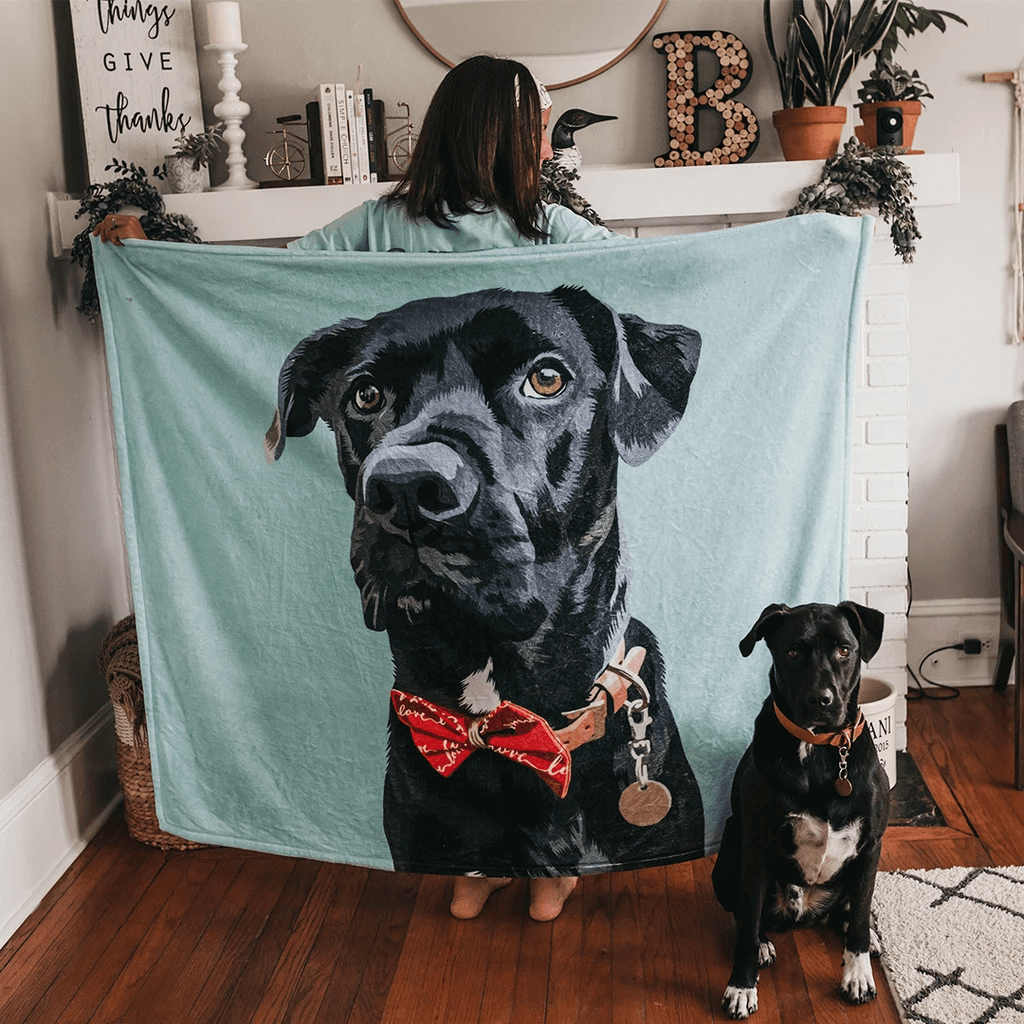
[440,562]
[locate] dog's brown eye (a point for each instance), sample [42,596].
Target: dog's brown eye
[793,653]
[843,652]
[545,381]
[368,397]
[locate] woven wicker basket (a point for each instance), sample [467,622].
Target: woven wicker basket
[119,662]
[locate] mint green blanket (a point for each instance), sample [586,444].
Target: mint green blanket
[503,407]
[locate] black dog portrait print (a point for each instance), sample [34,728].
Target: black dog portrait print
[479,437]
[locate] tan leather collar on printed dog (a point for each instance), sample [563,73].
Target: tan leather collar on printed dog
[607,696]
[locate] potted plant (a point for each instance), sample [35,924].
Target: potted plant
[815,67]
[132,190]
[187,169]
[890,85]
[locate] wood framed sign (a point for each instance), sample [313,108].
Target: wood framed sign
[137,77]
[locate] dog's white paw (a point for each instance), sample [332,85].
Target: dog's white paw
[874,944]
[858,985]
[739,1002]
[765,953]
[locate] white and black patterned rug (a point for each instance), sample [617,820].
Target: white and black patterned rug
[953,943]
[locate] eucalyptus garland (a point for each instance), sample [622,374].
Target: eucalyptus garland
[132,188]
[858,179]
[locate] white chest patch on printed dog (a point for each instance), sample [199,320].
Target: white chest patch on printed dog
[821,850]
[479,694]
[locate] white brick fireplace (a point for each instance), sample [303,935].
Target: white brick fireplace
[656,201]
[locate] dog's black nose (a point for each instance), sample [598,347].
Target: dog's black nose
[827,699]
[412,484]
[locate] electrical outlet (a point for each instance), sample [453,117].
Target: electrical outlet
[988,646]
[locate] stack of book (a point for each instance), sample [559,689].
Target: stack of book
[346,136]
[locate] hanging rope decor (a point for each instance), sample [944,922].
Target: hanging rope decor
[1017,79]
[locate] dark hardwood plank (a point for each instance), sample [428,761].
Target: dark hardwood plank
[66,932]
[240,929]
[329,947]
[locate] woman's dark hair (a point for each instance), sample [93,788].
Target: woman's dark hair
[479,143]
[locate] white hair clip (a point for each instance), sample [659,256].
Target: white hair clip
[545,96]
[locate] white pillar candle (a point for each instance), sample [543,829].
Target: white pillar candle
[224,21]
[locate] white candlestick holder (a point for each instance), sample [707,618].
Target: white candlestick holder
[231,110]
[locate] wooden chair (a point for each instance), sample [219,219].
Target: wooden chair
[1011,586]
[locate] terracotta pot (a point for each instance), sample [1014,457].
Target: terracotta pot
[868,133]
[182,177]
[809,133]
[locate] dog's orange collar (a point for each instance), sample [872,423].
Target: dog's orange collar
[842,738]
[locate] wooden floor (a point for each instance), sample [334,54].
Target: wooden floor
[136,936]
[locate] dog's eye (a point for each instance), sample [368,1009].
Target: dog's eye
[546,381]
[793,652]
[367,397]
[843,652]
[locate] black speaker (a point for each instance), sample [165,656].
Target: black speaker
[889,126]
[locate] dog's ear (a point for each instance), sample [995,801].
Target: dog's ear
[305,376]
[767,622]
[868,624]
[651,386]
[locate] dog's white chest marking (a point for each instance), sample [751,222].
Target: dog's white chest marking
[821,851]
[479,694]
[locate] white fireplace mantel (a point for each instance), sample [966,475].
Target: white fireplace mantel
[635,196]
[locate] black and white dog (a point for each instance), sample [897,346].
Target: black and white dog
[479,437]
[810,800]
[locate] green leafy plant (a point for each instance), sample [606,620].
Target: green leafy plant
[911,19]
[202,146]
[858,179]
[822,57]
[890,83]
[132,189]
[787,62]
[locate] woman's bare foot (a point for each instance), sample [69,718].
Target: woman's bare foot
[547,896]
[472,893]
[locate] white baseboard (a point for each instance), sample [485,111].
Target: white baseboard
[48,819]
[935,624]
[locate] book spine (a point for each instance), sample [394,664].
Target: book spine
[316,146]
[371,138]
[329,132]
[344,134]
[350,106]
[361,138]
[380,140]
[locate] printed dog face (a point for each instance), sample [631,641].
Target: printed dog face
[817,650]
[478,436]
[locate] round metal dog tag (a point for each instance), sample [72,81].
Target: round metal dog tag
[645,806]
[844,787]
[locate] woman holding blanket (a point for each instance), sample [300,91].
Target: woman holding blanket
[473,184]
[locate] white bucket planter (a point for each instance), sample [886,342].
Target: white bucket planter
[878,702]
[182,177]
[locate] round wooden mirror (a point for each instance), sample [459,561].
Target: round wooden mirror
[561,41]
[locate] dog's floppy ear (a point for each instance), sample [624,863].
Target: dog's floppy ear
[656,363]
[766,623]
[868,624]
[304,378]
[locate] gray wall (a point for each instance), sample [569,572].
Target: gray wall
[62,577]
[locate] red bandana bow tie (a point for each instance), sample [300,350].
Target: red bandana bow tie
[446,738]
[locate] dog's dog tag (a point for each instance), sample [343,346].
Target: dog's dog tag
[844,787]
[645,805]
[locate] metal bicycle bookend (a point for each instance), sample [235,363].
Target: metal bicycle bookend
[400,148]
[287,159]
